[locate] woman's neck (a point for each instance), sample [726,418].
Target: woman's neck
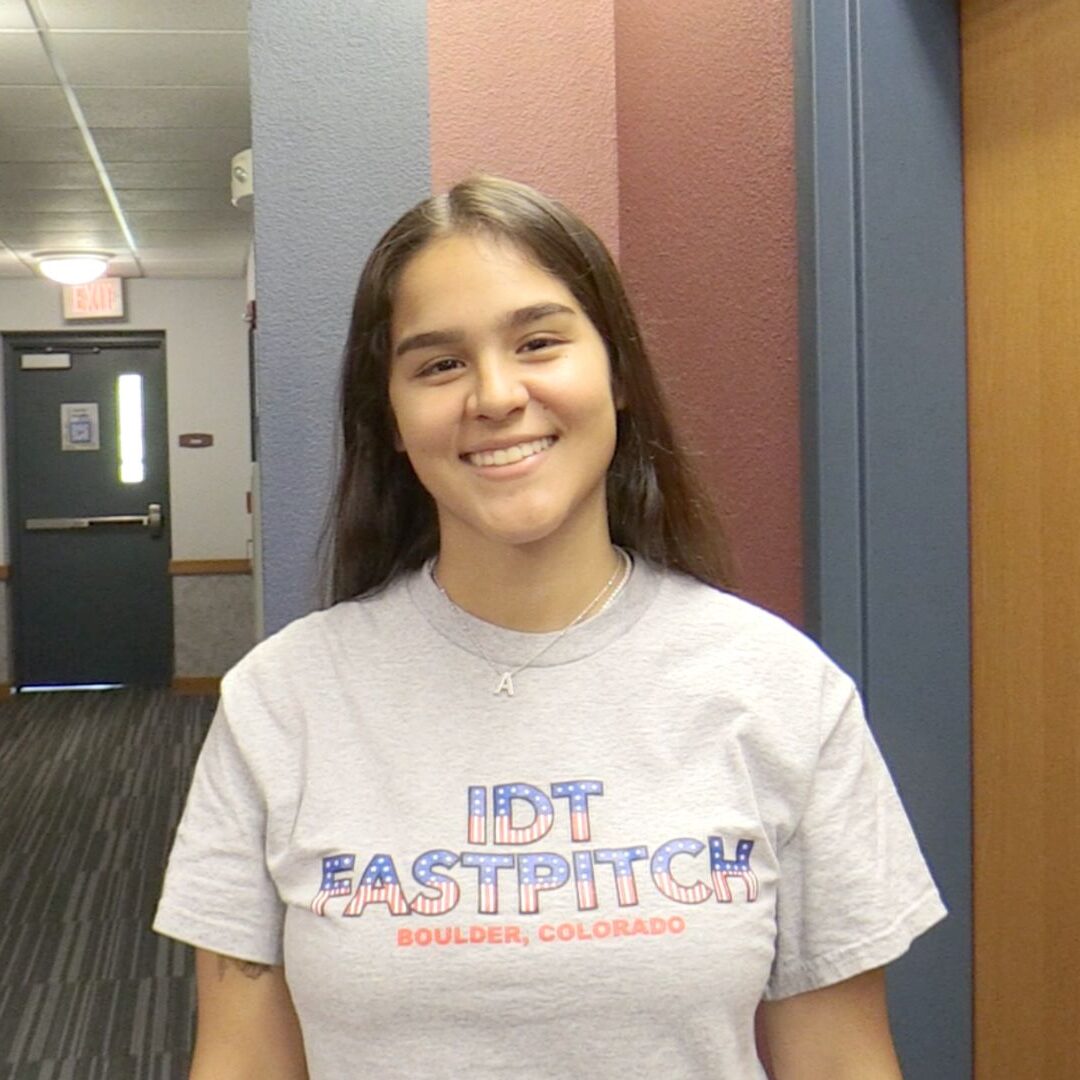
[533,587]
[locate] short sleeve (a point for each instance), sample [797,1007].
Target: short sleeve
[218,893]
[854,889]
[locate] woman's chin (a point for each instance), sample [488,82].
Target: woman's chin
[520,522]
[520,529]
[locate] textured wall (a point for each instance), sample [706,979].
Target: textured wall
[340,141]
[707,226]
[213,623]
[886,85]
[527,90]
[672,133]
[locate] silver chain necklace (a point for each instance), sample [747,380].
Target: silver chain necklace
[506,677]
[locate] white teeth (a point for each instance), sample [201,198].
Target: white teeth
[511,453]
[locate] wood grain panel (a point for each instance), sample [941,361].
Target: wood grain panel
[196,684]
[182,567]
[1021,79]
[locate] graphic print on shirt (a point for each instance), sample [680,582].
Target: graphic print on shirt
[602,876]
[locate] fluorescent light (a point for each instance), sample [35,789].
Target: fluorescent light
[129,394]
[64,688]
[72,267]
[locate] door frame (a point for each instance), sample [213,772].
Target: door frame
[62,340]
[883,361]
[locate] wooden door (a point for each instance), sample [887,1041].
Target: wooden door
[1021,115]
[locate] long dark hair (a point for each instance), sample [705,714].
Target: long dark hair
[383,522]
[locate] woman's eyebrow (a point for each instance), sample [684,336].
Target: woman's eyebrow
[533,312]
[430,339]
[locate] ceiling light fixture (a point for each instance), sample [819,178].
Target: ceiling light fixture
[72,267]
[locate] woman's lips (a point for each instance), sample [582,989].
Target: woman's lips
[510,455]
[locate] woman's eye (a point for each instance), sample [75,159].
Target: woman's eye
[536,344]
[440,366]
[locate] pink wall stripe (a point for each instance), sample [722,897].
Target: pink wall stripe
[707,222]
[527,89]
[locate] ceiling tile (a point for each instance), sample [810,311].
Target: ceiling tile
[41,144]
[14,16]
[164,88]
[146,14]
[149,59]
[173,144]
[155,243]
[123,266]
[225,266]
[23,223]
[169,174]
[227,219]
[34,107]
[165,107]
[12,266]
[45,200]
[149,199]
[31,174]
[23,61]
[24,243]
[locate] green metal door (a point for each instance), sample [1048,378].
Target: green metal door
[88,509]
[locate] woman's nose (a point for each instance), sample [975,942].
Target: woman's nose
[498,389]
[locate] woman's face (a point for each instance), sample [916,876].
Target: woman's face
[500,386]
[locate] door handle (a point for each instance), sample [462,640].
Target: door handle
[152,519]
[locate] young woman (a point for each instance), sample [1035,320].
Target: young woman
[536,796]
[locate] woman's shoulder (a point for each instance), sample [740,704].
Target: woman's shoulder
[704,617]
[691,602]
[308,643]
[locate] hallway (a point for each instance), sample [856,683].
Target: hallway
[91,788]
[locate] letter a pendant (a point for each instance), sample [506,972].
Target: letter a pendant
[505,683]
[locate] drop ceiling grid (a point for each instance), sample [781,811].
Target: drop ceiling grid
[164,90]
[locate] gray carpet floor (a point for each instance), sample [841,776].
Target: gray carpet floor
[91,788]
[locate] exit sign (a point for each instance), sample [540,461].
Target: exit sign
[101,299]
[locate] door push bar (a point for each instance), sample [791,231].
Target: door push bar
[152,519]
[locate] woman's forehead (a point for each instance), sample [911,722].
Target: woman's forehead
[472,276]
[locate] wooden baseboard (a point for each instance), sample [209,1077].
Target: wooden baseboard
[198,684]
[5,691]
[199,567]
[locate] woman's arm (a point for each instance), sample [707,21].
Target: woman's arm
[840,1032]
[247,1027]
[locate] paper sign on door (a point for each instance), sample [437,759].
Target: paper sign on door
[79,428]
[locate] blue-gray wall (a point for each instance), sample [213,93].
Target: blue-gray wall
[882,329]
[340,141]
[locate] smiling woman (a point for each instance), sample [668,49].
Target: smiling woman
[507,418]
[561,309]
[679,795]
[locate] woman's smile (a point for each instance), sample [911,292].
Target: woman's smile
[499,458]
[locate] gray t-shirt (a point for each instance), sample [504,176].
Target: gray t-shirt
[681,811]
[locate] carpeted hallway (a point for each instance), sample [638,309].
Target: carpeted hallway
[91,787]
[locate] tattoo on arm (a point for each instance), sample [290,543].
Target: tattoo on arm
[248,968]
